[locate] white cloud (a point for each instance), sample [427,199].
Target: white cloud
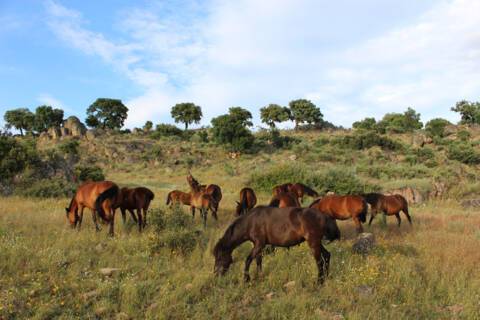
[251,53]
[49,100]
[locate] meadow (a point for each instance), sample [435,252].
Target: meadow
[427,271]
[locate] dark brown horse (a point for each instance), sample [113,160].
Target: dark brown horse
[284,200]
[283,188]
[215,192]
[248,200]
[136,199]
[301,190]
[281,227]
[177,196]
[389,205]
[100,197]
[343,208]
[201,200]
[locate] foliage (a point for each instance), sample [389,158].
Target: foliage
[89,173]
[231,129]
[106,113]
[69,147]
[463,152]
[469,112]
[463,135]
[304,111]
[274,113]
[400,123]
[148,126]
[47,117]
[21,119]
[365,141]
[186,113]
[436,127]
[166,130]
[47,188]
[365,124]
[15,156]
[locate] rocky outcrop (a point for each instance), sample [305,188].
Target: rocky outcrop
[364,243]
[471,203]
[74,127]
[413,196]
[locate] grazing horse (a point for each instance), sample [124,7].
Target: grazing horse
[215,191]
[284,200]
[389,205]
[281,227]
[136,199]
[300,190]
[343,208]
[201,200]
[283,188]
[248,200]
[177,196]
[101,197]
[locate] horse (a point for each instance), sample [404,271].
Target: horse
[283,188]
[248,200]
[136,199]
[300,190]
[343,208]
[389,205]
[177,196]
[284,200]
[282,227]
[100,197]
[201,200]
[215,191]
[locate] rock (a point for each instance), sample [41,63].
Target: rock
[109,271]
[329,193]
[364,243]
[122,316]
[269,295]
[234,155]
[99,312]
[418,140]
[413,196]
[293,157]
[289,285]
[64,132]
[471,203]
[439,189]
[364,291]
[75,127]
[54,133]
[91,135]
[90,294]
[323,314]
[188,286]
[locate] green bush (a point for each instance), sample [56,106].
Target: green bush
[15,156]
[47,188]
[436,127]
[463,135]
[166,130]
[69,147]
[463,152]
[365,141]
[89,173]
[265,180]
[175,231]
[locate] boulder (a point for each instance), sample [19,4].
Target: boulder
[439,189]
[54,133]
[109,271]
[364,243]
[413,196]
[293,157]
[75,127]
[471,203]
[91,135]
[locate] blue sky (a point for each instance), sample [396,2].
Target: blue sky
[352,58]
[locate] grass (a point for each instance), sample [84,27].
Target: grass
[50,271]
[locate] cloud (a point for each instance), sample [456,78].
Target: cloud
[250,53]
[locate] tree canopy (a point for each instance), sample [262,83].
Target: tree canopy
[232,129]
[187,113]
[436,127]
[106,113]
[469,111]
[304,111]
[400,123]
[21,119]
[47,117]
[274,113]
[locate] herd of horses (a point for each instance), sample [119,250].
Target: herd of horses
[281,223]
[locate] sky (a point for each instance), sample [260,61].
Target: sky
[353,59]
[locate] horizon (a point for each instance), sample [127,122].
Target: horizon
[372,59]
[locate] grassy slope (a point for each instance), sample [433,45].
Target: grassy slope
[48,270]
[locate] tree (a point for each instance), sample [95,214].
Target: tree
[21,119]
[186,113]
[305,111]
[436,127]
[274,113]
[232,129]
[400,123]
[365,124]
[47,117]
[469,111]
[148,126]
[106,113]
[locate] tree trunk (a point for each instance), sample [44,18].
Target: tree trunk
[21,131]
[186,126]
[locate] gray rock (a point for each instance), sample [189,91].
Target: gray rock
[109,271]
[75,127]
[471,203]
[364,291]
[364,243]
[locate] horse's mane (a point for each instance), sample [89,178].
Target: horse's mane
[372,197]
[309,190]
[275,202]
[71,203]
[224,243]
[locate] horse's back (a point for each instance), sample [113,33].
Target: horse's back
[88,192]
[341,206]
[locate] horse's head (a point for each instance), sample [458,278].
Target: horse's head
[72,215]
[223,260]
[332,232]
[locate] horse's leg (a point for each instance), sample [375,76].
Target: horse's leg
[321,255]
[397,215]
[372,215]
[358,223]
[140,218]
[192,209]
[258,259]
[144,220]
[256,251]
[134,217]
[203,214]
[80,217]
[408,216]
[124,218]
[112,222]
[94,217]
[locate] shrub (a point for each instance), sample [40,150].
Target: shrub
[47,188]
[175,231]
[340,181]
[166,130]
[69,147]
[232,129]
[400,123]
[265,180]
[463,135]
[365,124]
[365,141]
[15,156]
[463,152]
[436,127]
[86,173]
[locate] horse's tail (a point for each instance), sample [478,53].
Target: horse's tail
[150,194]
[309,191]
[363,213]
[314,202]
[110,193]
[169,198]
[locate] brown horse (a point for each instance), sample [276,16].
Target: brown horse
[283,188]
[281,227]
[389,205]
[300,190]
[201,200]
[177,196]
[344,207]
[101,197]
[284,200]
[136,199]
[248,200]
[216,192]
